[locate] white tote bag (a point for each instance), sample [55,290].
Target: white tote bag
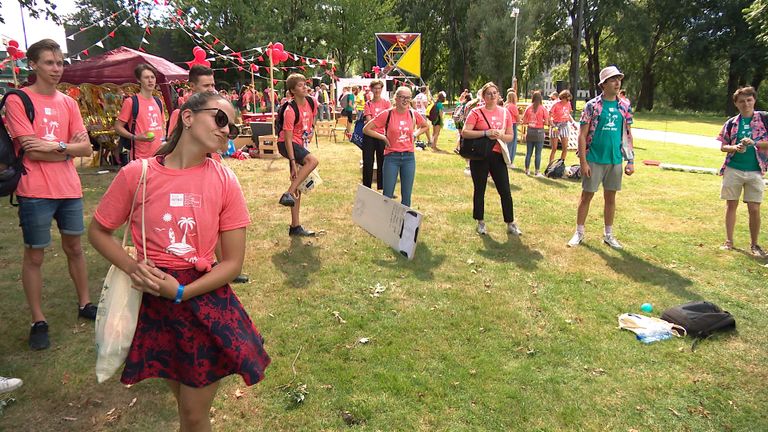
[119,303]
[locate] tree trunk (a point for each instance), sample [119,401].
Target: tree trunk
[576,52]
[733,84]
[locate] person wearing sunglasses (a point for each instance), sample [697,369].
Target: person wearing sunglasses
[299,131]
[192,329]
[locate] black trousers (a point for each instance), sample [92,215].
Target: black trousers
[372,147]
[498,169]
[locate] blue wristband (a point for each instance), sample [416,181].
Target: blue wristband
[179,294]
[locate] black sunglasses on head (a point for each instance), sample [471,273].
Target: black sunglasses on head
[222,120]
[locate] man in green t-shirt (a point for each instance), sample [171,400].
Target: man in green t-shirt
[743,138]
[604,141]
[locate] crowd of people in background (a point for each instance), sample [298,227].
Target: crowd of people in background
[196,213]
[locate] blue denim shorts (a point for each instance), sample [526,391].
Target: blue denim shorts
[36,214]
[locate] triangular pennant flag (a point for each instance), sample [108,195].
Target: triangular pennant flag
[207,33]
[71,37]
[226,48]
[216,41]
[224,69]
[68,60]
[99,44]
[85,51]
[77,58]
[260,50]
[261,59]
[144,41]
[148,31]
[111,34]
[142,49]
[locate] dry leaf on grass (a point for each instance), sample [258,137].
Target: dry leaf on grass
[133,402]
[338,317]
[239,393]
[378,290]
[69,418]
[698,410]
[674,412]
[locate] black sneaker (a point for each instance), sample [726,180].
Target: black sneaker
[287,200]
[38,336]
[299,231]
[88,311]
[241,279]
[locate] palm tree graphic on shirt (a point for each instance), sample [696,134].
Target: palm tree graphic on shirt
[180,248]
[50,129]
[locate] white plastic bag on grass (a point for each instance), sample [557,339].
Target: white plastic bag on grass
[649,329]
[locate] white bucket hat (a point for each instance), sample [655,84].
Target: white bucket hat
[609,72]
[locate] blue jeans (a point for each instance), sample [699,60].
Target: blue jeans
[538,145]
[403,163]
[512,145]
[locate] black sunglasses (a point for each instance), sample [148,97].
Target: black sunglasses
[222,120]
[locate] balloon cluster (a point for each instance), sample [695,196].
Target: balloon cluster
[13,50]
[276,53]
[199,59]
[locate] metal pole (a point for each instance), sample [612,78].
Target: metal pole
[514,55]
[23,26]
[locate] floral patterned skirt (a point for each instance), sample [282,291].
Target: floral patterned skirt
[196,342]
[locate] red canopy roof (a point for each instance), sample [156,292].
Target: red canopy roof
[117,66]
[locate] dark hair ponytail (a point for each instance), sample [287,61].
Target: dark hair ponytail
[195,102]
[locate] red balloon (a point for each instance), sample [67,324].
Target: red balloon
[283,56]
[19,55]
[13,43]
[200,55]
[16,70]
[196,49]
[278,46]
[11,50]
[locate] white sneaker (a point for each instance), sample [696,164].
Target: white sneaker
[538,174]
[513,229]
[576,239]
[611,241]
[9,384]
[481,228]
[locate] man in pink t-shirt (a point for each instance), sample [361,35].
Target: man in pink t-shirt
[51,188]
[200,80]
[146,131]
[293,142]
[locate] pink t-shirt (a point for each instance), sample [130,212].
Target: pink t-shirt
[150,119]
[535,119]
[185,211]
[373,108]
[174,120]
[307,115]
[498,118]
[57,118]
[400,131]
[561,112]
[513,111]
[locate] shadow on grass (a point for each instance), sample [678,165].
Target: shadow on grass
[297,262]
[511,251]
[550,182]
[643,271]
[422,266]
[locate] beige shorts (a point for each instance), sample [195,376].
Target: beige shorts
[609,175]
[735,180]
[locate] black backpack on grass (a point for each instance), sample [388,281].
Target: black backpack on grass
[11,166]
[555,169]
[700,319]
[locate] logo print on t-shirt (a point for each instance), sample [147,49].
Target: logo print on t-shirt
[404,132]
[179,248]
[50,128]
[611,124]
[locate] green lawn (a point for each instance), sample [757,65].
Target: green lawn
[696,124]
[476,333]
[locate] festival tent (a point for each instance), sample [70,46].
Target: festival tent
[116,67]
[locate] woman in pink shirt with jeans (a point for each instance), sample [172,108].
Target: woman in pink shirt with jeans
[535,116]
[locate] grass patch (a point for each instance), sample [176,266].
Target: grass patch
[476,333]
[706,124]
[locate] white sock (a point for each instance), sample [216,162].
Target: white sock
[580,229]
[609,230]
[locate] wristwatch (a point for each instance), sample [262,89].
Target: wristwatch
[62,147]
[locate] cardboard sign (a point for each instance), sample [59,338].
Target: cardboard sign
[387,219]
